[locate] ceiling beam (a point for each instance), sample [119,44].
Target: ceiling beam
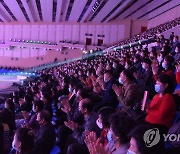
[147,8]
[5,14]
[163,9]
[118,10]
[15,9]
[134,8]
[34,9]
[29,10]
[4,17]
[47,9]
[64,10]
[89,12]
[58,10]
[158,7]
[77,9]
[106,9]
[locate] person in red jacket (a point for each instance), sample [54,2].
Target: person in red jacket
[167,68]
[178,72]
[162,109]
[177,91]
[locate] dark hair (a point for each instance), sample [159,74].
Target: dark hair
[165,79]
[177,37]
[121,124]
[28,98]
[154,52]
[109,72]
[116,61]
[137,133]
[78,87]
[46,96]
[83,93]
[105,112]
[129,62]
[89,70]
[25,138]
[44,114]
[163,54]
[162,36]
[73,83]
[137,56]
[128,74]
[10,104]
[39,104]
[147,61]
[93,72]
[167,49]
[178,46]
[169,60]
[87,104]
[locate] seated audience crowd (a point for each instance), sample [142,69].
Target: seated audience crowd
[153,31]
[103,105]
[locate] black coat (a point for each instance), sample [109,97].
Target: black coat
[109,96]
[44,139]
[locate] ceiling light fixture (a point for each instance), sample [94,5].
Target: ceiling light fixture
[96,5]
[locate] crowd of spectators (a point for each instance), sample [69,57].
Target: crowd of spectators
[152,32]
[10,69]
[102,105]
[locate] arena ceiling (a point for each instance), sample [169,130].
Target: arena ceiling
[82,10]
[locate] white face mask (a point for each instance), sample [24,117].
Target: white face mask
[114,66]
[105,80]
[130,152]
[144,66]
[160,59]
[5,106]
[164,65]
[109,137]
[34,109]
[14,146]
[176,50]
[120,80]
[70,90]
[99,124]
[126,66]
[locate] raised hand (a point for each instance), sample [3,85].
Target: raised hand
[71,124]
[25,114]
[95,147]
[178,66]
[117,89]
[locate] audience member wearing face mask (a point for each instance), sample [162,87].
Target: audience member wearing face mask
[45,136]
[103,123]
[72,114]
[127,94]
[144,77]
[109,96]
[80,131]
[31,122]
[118,133]
[10,114]
[162,108]
[167,68]
[177,54]
[23,141]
